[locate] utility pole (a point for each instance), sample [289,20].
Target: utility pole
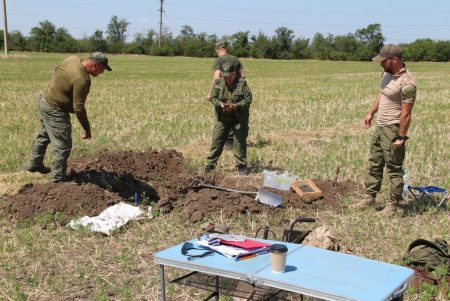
[160,22]
[5,28]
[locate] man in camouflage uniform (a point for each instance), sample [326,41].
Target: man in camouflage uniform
[223,57]
[231,98]
[394,105]
[65,94]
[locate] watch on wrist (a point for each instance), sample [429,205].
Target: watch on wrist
[402,138]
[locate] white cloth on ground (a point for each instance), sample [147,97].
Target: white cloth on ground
[112,218]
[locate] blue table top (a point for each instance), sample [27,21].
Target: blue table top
[215,264]
[310,271]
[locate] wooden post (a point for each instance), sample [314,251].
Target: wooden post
[337,175]
[5,28]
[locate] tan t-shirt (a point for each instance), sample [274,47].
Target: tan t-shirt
[395,89]
[69,87]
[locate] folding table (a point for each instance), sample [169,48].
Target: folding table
[309,271]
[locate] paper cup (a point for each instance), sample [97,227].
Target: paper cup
[278,254]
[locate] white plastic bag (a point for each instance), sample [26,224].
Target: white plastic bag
[405,193]
[282,182]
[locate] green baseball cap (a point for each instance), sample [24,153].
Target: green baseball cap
[100,57]
[388,51]
[228,69]
[221,44]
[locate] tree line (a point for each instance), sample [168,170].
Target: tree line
[361,45]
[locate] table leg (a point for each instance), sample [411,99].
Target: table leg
[400,293]
[217,288]
[162,282]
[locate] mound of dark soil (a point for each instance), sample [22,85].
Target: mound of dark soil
[159,177]
[199,204]
[68,199]
[101,181]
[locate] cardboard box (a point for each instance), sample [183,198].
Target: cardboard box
[307,190]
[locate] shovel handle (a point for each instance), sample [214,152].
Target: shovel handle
[229,190]
[196,184]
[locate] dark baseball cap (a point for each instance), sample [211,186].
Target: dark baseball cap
[100,57]
[388,51]
[221,44]
[228,69]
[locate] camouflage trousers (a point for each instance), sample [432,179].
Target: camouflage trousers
[384,154]
[221,132]
[55,128]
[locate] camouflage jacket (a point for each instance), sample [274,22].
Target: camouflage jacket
[238,93]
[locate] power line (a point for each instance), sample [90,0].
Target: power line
[319,12]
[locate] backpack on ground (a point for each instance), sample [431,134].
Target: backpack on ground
[428,255]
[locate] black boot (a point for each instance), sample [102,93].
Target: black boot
[38,168]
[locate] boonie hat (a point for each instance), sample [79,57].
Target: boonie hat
[221,44]
[228,69]
[388,51]
[100,58]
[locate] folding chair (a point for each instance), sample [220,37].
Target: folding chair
[428,190]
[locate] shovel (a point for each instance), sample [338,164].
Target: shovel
[262,196]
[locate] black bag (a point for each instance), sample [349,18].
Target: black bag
[428,255]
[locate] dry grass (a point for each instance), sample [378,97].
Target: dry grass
[306,118]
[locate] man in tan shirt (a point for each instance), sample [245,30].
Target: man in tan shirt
[66,93]
[394,105]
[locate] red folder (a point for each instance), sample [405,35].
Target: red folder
[247,244]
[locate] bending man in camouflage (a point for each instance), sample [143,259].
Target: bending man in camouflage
[231,98]
[394,105]
[66,93]
[223,57]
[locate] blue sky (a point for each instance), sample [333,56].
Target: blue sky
[401,21]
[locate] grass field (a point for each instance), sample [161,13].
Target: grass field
[311,112]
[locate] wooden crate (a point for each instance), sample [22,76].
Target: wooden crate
[307,190]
